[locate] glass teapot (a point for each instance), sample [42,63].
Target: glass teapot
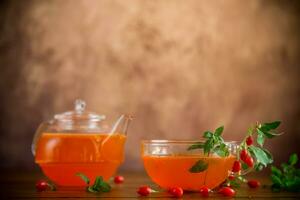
[79,142]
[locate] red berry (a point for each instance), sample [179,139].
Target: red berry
[41,185]
[227,191]
[176,191]
[144,190]
[236,166]
[119,179]
[231,177]
[249,140]
[243,154]
[249,161]
[253,183]
[204,191]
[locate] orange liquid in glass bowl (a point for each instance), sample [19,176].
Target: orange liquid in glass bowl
[173,170]
[62,155]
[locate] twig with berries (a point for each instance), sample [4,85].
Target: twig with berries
[251,156]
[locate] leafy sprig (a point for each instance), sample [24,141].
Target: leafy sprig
[261,155]
[288,177]
[214,144]
[99,184]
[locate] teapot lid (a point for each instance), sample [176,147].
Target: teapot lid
[79,114]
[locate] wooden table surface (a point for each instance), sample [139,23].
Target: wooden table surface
[21,185]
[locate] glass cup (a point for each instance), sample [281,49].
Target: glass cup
[168,162]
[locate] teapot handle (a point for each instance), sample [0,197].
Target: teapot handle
[122,124]
[42,127]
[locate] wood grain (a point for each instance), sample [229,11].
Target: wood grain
[21,185]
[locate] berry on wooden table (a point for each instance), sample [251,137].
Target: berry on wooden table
[253,183]
[204,191]
[144,190]
[176,191]
[227,191]
[41,185]
[119,179]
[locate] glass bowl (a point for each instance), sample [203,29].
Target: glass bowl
[168,163]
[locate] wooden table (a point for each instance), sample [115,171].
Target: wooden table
[21,185]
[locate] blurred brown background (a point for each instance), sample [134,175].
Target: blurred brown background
[180,67]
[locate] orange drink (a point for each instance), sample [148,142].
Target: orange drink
[168,164]
[173,170]
[80,141]
[62,155]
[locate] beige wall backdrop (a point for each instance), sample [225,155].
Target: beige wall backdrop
[180,67]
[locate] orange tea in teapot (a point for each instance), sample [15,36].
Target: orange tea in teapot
[79,141]
[62,155]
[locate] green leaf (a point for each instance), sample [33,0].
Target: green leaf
[219,131]
[286,168]
[97,183]
[83,177]
[260,155]
[269,155]
[267,133]
[220,139]
[100,185]
[292,185]
[272,125]
[199,166]
[105,187]
[198,145]
[288,178]
[277,181]
[293,159]
[207,134]
[222,150]
[221,153]
[260,138]
[208,145]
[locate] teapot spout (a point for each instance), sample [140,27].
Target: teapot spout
[122,124]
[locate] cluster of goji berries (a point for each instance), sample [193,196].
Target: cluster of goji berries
[248,160]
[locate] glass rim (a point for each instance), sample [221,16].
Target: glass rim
[181,142]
